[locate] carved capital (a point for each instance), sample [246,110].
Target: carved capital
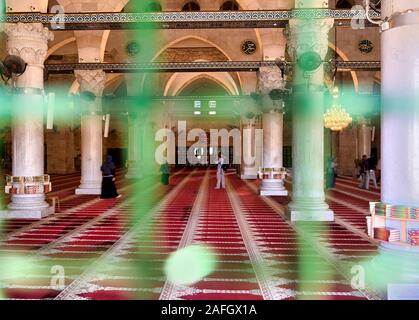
[269,78]
[91,80]
[28,41]
[308,35]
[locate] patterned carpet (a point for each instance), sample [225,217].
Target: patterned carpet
[117,249]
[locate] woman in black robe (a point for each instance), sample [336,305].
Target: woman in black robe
[108,180]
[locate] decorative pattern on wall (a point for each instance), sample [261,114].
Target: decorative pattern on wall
[365,46]
[249,66]
[249,47]
[184,20]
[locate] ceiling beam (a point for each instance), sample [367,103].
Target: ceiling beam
[222,66]
[184,20]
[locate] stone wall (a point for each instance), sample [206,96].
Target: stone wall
[60,150]
[347,151]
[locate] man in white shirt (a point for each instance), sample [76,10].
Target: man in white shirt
[220,172]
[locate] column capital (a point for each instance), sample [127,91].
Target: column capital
[91,80]
[271,87]
[308,35]
[269,78]
[28,41]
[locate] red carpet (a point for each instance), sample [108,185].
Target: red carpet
[116,249]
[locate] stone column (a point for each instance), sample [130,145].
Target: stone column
[30,42]
[400,133]
[134,144]
[364,138]
[92,81]
[272,171]
[308,43]
[249,152]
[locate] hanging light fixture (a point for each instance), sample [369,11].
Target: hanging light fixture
[336,118]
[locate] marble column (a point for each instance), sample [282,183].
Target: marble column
[364,138]
[134,144]
[308,36]
[30,42]
[272,171]
[400,131]
[249,152]
[92,81]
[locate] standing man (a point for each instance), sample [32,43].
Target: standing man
[364,172]
[165,173]
[372,165]
[331,173]
[220,172]
[379,171]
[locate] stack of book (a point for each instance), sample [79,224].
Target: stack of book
[414,237]
[387,234]
[380,209]
[400,212]
[414,213]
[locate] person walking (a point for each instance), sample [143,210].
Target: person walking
[220,172]
[371,166]
[108,179]
[379,171]
[165,173]
[363,171]
[331,173]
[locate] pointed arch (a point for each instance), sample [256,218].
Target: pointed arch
[179,81]
[345,58]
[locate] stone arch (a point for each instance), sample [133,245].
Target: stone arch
[179,81]
[176,41]
[345,58]
[60,45]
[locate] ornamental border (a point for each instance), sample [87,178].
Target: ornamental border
[199,19]
[244,66]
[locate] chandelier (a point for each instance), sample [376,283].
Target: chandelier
[336,118]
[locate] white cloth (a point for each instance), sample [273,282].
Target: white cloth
[220,163]
[368,176]
[220,174]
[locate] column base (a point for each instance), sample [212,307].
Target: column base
[36,214]
[277,193]
[394,273]
[89,191]
[249,176]
[326,215]
[273,187]
[309,209]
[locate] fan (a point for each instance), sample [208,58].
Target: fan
[12,66]
[309,61]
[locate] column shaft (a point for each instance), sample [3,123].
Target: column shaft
[134,154]
[250,170]
[364,140]
[272,183]
[91,154]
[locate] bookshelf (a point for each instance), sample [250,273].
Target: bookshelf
[386,220]
[28,185]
